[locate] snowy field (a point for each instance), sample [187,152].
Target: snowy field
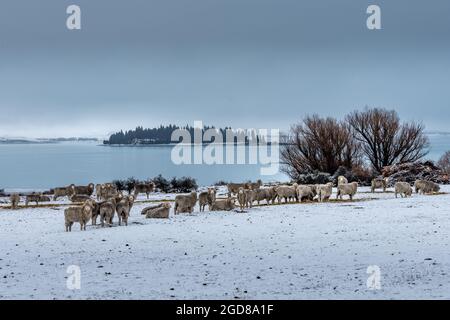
[294,251]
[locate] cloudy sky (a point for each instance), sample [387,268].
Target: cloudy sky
[240,63]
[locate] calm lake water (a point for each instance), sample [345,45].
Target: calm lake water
[42,166]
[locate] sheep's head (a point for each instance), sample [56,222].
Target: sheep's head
[71,189]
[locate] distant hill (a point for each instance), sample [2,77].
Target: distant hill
[42,140]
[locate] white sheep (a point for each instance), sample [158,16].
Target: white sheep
[426,187]
[324,191]
[242,199]
[349,189]
[305,192]
[206,198]
[223,205]
[81,214]
[250,197]
[342,180]
[286,192]
[123,209]
[160,211]
[403,188]
[379,183]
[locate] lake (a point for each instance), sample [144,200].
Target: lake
[27,167]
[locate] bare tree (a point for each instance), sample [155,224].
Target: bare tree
[322,144]
[386,141]
[444,162]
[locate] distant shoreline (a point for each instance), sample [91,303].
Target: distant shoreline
[44,140]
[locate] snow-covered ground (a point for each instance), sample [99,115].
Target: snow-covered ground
[294,251]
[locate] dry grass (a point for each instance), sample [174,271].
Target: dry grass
[436,194]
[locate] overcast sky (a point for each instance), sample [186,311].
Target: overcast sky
[239,63]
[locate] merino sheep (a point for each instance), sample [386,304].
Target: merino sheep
[379,183]
[146,188]
[100,189]
[267,194]
[123,209]
[185,203]
[15,199]
[106,191]
[253,185]
[36,197]
[223,205]
[160,211]
[203,200]
[234,187]
[79,198]
[314,188]
[342,180]
[305,192]
[81,214]
[107,211]
[206,198]
[250,197]
[286,192]
[403,188]
[324,191]
[84,190]
[271,192]
[95,212]
[426,187]
[349,189]
[63,192]
[242,199]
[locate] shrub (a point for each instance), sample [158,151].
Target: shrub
[318,145]
[186,184]
[444,162]
[120,184]
[220,183]
[385,140]
[130,184]
[161,183]
[314,178]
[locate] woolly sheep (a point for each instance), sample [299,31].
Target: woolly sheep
[123,208]
[403,188]
[379,183]
[185,203]
[81,214]
[160,211]
[426,187]
[15,199]
[349,189]
[286,192]
[324,191]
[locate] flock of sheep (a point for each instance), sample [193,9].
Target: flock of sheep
[110,201]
